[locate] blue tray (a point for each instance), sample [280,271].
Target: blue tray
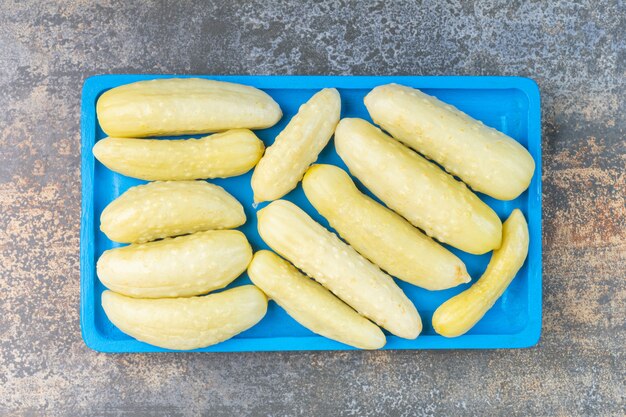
[510,104]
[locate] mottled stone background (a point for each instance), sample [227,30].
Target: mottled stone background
[575,51]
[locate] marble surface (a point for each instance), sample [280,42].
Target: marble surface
[575,50]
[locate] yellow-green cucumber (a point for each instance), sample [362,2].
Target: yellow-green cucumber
[484,158]
[310,304]
[176,267]
[169,208]
[460,313]
[220,155]
[379,234]
[186,323]
[183,106]
[417,189]
[294,235]
[297,146]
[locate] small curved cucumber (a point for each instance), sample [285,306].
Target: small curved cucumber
[487,160]
[171,208]
[179,267]
[417,189]
[460,313]
[337,266]
[312,305]
[221,155]
[183,106]
[379,234]
[186,323]
[297,146]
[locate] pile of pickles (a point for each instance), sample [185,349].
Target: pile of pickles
[180,227]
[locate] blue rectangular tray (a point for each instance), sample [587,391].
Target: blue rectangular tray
[510,104]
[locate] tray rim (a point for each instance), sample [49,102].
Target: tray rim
[527,337]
